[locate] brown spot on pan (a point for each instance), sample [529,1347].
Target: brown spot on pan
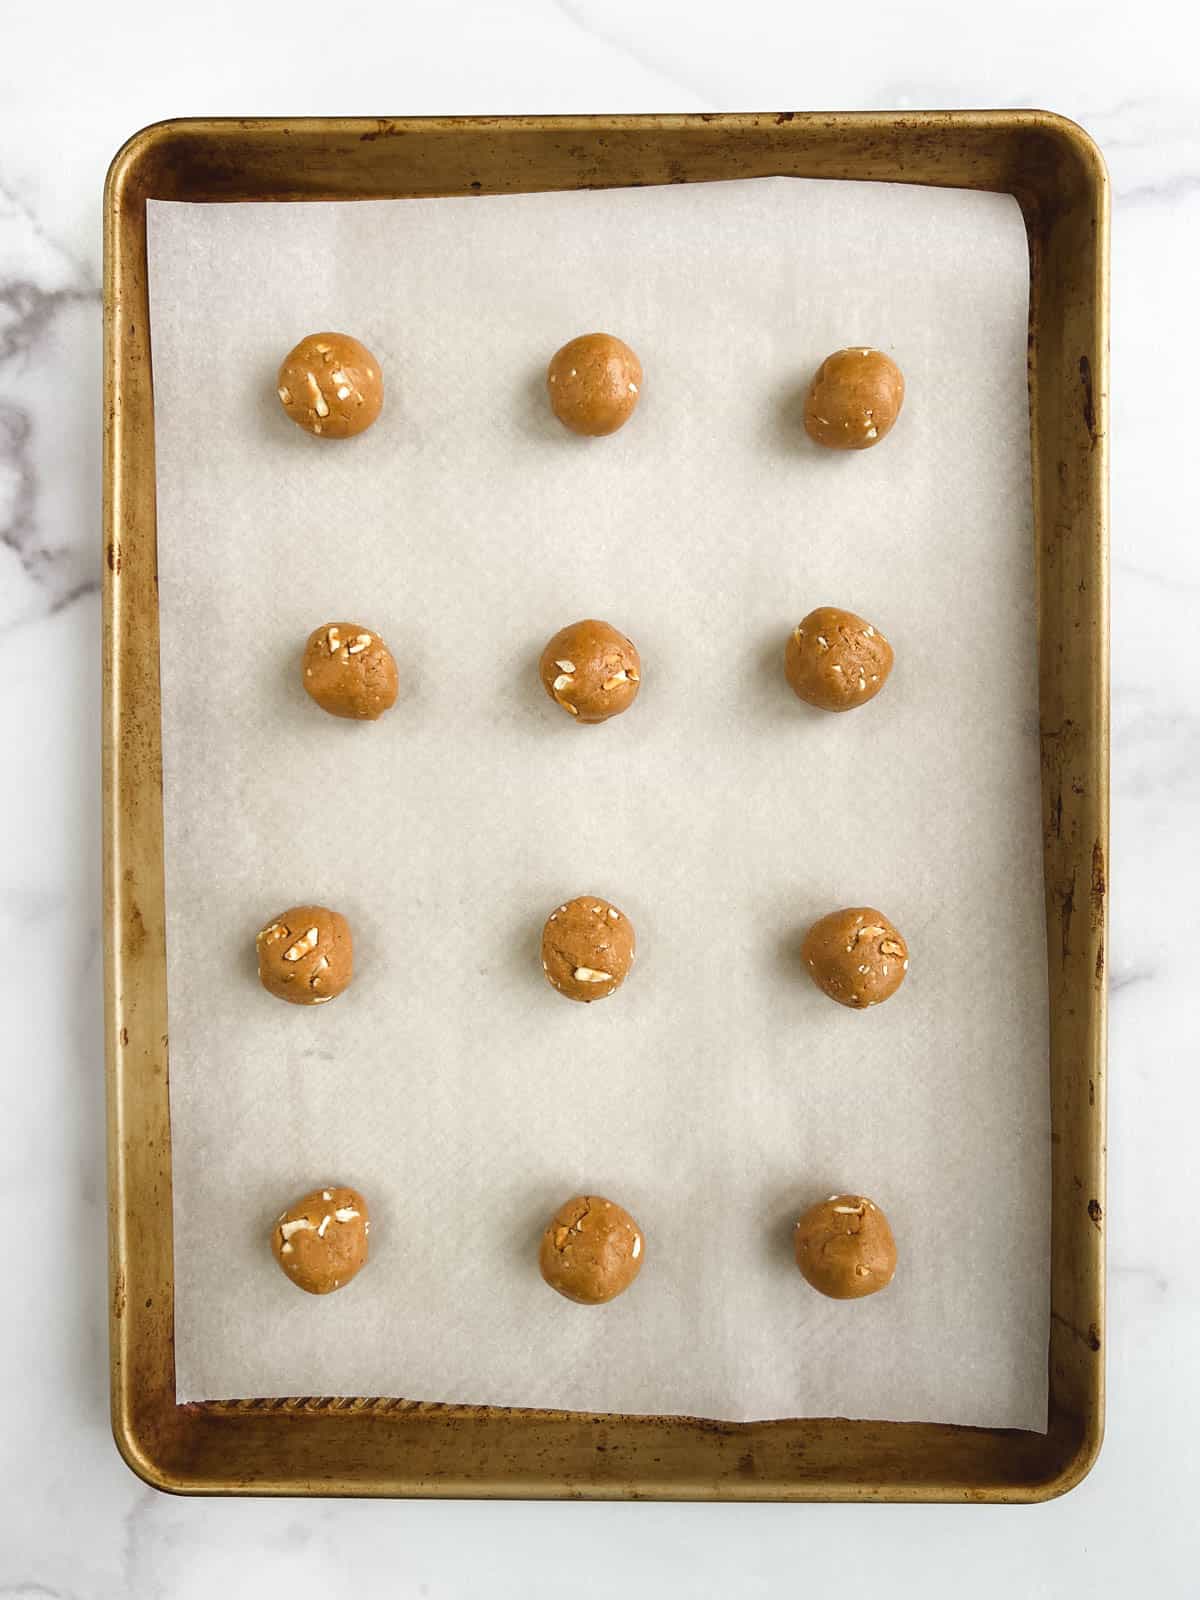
[1056,815]
[1096,895]
[1066,909]
[384,130]
[136,932]
[1089,403]
[1091,1338]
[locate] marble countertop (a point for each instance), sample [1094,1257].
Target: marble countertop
[76,80]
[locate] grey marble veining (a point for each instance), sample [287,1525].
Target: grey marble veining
[73,1522]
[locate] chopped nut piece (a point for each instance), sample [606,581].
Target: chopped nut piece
[318,399]
[302,946]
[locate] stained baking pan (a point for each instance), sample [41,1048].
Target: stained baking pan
[386,1446]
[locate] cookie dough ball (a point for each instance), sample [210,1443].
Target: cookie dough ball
[594,383]
[321,1240]
[587,948]
[845,1248]
[349,671]
[856,956]
[331,385]
[592,1250]
[835,660]
[854,399]
[591,671]
[305,955]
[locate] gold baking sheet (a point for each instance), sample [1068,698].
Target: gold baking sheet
[389,1446]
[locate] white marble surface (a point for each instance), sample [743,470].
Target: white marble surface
[74,80]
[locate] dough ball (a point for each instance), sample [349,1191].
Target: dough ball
[349,671]
[591,671]
[845,1248]
[854,399]
[305,955]
[587,948]
[321,1240]
[331,385]
[592,1250]
[835,660]
[856,956]
[594,383]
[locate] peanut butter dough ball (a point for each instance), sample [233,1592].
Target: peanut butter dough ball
[856,956]
[854,399]
[835,660]
[321,1240]
[331,385]
[587,948]
[591,671]
[349,671]
[305,955]
[592,1250]
[594,383]
[845,1248]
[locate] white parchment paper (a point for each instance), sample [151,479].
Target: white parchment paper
[719,1093]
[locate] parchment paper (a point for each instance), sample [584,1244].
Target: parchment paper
[719,1093]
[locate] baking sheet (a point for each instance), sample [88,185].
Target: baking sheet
[718,1093]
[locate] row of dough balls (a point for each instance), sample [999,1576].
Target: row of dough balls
[856,955]
[833,660]
[332,386]
[592,1249]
